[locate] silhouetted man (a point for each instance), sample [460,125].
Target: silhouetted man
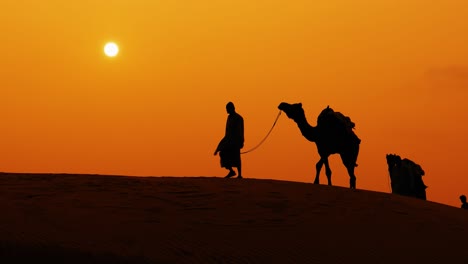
[464,203]
[229,147]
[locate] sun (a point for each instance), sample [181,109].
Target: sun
[111,49]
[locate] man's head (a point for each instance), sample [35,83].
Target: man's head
[463,198]
[230,108]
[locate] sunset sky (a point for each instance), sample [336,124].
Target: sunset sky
[398,68]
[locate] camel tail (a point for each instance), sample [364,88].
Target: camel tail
[355,164]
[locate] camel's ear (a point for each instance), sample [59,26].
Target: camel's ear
[300,104]
[328,106]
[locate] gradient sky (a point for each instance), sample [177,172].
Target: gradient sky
[398,68]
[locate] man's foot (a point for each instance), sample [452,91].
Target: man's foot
[230,174]
[240,177]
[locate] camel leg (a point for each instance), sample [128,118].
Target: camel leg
[328,171]
[350,164]
[318,168]
[352,177]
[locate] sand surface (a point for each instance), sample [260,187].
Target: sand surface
[65,218]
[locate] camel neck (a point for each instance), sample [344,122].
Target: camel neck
[308,131]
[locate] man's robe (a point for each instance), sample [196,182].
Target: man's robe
[232,141]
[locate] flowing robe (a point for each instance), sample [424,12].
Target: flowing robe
[232,141]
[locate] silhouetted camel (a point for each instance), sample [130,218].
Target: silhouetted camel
[406,177]
[331,135]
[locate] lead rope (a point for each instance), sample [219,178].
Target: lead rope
[263,140]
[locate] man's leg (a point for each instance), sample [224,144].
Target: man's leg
[231,173]
[239,170]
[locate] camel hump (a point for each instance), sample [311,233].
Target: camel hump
[413,166]
[328,117]
[345,120]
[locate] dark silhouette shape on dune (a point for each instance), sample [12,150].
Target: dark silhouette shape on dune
[464,204]
[333,135]
[230,145]
[406,177]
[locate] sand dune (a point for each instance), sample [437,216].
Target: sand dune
[66,218]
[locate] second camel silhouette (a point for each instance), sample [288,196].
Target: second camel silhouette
[406,177]
[332,135]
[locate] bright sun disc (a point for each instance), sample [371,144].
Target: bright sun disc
[111,49]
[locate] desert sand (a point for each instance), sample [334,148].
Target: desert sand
[65,218]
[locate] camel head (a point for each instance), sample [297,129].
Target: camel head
[293,111]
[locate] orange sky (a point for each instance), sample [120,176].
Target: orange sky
[398,68]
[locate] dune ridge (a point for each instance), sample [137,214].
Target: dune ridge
[123,219]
